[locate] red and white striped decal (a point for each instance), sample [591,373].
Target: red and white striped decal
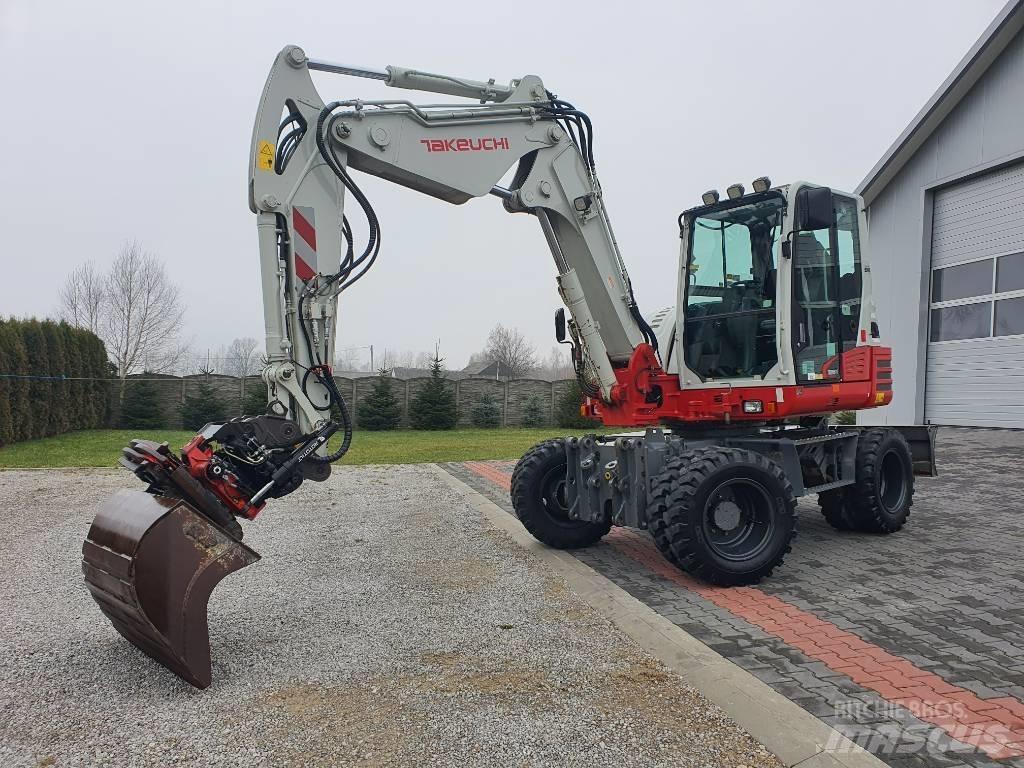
[304,246]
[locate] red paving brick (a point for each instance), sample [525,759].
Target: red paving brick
[995,726]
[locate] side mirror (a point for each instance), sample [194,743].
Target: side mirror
[813,209]
[560,325]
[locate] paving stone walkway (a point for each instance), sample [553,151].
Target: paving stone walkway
[912,645]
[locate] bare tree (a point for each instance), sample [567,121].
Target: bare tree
[510,348]
[142,312]
[557,365]
[406,358]
[241,357]
[134,308]
[477,360]
[192,362]
[423,359]
[82,298]
[351,359]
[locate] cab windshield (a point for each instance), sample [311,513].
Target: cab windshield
[730,293]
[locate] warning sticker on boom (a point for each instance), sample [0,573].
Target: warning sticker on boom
[265,156]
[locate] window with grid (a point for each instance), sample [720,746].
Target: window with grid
[978,299]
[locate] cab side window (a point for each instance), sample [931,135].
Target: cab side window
[826,294]
[848,246]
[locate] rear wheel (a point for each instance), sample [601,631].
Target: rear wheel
[833,508]
[540,503]
[725,515]
[880,499]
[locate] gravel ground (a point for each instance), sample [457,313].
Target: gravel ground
[386,625]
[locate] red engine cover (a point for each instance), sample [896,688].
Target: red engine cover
[647,396]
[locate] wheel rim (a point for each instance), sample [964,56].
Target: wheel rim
[553,496]
[892,482]
[739,519]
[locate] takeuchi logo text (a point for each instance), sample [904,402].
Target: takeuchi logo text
[489,144]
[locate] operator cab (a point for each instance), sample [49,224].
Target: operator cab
[771,286]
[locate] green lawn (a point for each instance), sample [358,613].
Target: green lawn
[101,448]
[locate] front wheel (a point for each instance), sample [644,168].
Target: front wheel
[539,499]
[724,515]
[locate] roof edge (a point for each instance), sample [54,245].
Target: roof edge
[996,37]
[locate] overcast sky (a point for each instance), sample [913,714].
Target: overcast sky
[132,120]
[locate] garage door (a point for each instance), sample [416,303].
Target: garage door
[975,371]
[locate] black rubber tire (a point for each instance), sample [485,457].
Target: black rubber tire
[833,508]
[679,517]
[540,507]
[883,458]
[880,500]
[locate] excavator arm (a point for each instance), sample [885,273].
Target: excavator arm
[301,154]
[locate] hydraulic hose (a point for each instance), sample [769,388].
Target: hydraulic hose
[346,422]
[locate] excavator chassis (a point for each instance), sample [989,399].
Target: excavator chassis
[609,475]
[720,503]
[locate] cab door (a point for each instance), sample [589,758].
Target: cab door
[826,283]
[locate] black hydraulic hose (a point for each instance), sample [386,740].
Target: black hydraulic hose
[369,254]
[332,390]
[574,120]
[588,151]
[287,146]
[645,328]
[346,230]
[346,422]
[305,378]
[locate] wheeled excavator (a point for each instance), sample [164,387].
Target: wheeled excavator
[729,393]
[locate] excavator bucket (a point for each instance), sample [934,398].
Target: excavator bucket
[151,563]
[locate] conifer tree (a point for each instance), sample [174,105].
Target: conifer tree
[533,412]
[434,405]
[381,409]
[20,387]
[567,410]
[7,382]
[140,407]
[61,405]
[74,389]
[202,407]
[486,413]
[38,369]
[254,401]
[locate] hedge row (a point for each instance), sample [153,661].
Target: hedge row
[51,379]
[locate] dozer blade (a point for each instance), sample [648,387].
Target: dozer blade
[151,563]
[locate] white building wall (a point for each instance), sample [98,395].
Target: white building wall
[984,131]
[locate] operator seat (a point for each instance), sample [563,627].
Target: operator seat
[850,294]
[812,265]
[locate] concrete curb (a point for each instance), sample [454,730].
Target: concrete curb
[797,737]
